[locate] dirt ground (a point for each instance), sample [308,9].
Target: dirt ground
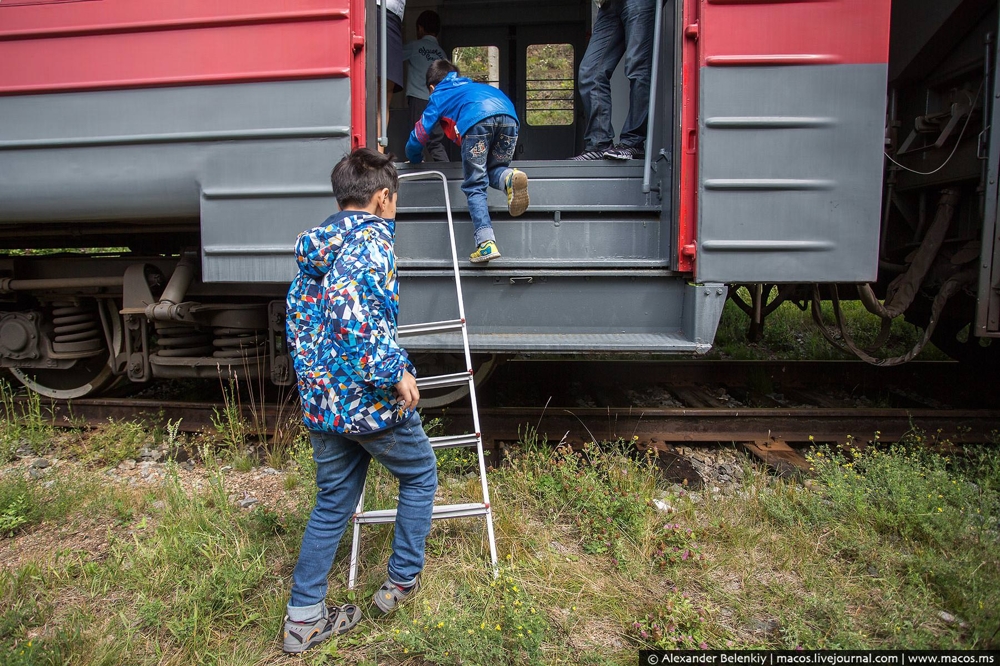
[88,536]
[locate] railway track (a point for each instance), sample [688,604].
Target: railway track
[666,425]
[778,405]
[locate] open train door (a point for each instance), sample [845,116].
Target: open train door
[987,323]
[783,134]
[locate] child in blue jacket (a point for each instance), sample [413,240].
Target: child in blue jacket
[482,120]
[358,392]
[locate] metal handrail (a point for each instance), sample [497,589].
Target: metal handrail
[647,171]
[383,139]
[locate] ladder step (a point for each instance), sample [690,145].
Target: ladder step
[430,327]
[441,511]
[452,441]
[441,381]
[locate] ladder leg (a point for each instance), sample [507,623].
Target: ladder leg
[493,543]
[352,575]
[486,491]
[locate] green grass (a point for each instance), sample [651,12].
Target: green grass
[789,333]
[867,556]
[26,424]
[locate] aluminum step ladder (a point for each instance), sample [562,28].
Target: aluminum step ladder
[441,511]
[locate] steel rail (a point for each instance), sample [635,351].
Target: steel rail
[650,425]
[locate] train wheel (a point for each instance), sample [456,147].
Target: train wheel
[87,377]
[435,364]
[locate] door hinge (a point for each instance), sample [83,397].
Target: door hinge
[693,31]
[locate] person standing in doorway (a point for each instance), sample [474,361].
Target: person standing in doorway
[394,56]
[622,28]
[418,56]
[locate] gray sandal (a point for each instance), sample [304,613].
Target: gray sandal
[390,595]
[301,636]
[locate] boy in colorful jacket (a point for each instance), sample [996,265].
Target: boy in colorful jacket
[483,121]
[358,392]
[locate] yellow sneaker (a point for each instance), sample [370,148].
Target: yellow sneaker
[517,192]
[485,252]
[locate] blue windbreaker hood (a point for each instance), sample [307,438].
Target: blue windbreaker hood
[316,249]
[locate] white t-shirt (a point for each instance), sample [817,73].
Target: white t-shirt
[394,6]
[418,56]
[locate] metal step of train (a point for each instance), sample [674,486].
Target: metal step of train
[586,269]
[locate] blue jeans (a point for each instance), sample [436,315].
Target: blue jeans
[487,149]
[622,27]
[341,467]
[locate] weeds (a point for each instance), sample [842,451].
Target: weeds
[677,544]
[604,491]
[491,620]
[676,624]
[171,439]
[230,423]
[112,443]
[592,570]
[915,522]
[248,440]
[13,515]
[24,424]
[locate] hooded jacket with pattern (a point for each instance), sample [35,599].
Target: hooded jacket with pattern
[341,325]
[458,104]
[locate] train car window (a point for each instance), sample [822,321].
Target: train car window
[550,84]
[479,63]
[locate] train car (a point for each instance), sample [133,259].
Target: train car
[157,161]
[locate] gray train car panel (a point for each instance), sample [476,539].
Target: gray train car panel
[791,135]
[791,168]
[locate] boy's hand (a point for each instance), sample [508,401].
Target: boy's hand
[406,391]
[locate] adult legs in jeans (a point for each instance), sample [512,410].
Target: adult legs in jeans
[434,151]
[638,17]
[622,28]
[487,149]
[341,467]
[605,50]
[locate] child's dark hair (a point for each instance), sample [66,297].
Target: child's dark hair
[438,70]
[430,22]
[359,175]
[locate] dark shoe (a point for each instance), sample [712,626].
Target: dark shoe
[622,152]
[301,636]
[588,155]
[390,595]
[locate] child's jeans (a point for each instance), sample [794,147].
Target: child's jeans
[487,149]
[341,467]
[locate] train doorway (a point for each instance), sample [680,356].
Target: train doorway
[532,51]
[596,250]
